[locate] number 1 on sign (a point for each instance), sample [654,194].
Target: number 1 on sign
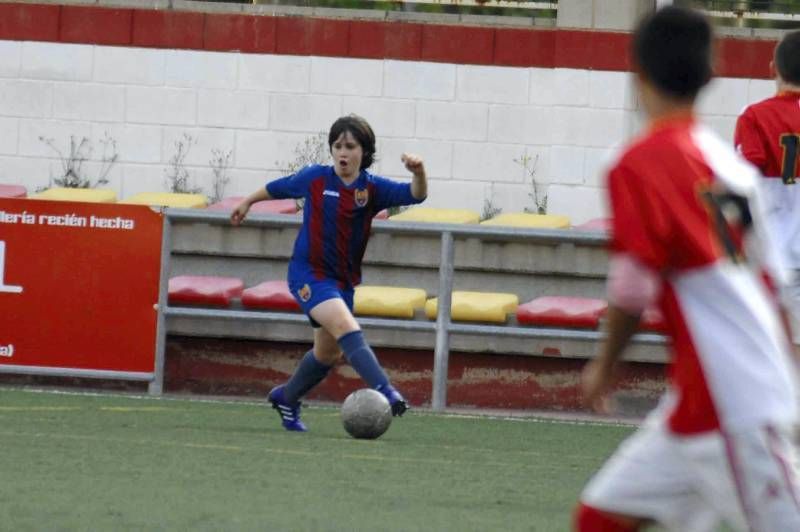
[13,289]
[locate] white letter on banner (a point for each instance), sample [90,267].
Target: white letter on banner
[13,289]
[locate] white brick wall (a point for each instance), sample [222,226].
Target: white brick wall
[69,62]
[10,59]
[355,77]
[279,73]
[492,84]
[470,123]
[129,66]
[207,70]
[9,136]
[419,81]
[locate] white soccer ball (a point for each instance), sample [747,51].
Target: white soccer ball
[366,414]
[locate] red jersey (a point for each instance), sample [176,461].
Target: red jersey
[672,194]
[768,135]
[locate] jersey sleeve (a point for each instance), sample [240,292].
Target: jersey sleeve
[639,226]
[748,141]
[295,185]
[390,193]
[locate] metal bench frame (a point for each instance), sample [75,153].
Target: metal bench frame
[443,327]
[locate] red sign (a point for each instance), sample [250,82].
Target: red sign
[78,284]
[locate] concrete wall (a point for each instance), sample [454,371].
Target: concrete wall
[469,121]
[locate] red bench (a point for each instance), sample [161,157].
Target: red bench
[598,224]
[270,295]
[562,311]
[278,206]
[13,191]
[204,290]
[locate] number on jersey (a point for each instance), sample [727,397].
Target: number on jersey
[791,152]
[731,217]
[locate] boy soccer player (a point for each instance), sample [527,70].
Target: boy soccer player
[340,202]
[684,207]
[768,135]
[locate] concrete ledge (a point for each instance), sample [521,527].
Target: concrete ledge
[410,334]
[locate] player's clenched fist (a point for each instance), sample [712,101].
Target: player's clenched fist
[413,163]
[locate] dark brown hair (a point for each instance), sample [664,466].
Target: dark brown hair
[361,131]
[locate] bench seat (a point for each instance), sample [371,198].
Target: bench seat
[13,191]
[389,301]
[207,290]
[562,311]
[524,219]
[277,206]
[431,215]
[88,195]
[168,199]
[491,307]
[270,295]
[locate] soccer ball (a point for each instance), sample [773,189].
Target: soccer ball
[366,414]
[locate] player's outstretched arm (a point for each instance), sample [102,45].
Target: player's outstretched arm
[419,183]
[240,212]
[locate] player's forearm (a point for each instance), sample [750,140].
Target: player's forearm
[419,185]
[259,195]
[621,328]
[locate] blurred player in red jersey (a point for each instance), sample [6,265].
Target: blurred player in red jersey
[768,135]
[687,235]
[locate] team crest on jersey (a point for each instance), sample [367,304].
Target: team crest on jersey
[361,197]
[305,292]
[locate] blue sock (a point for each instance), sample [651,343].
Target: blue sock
[308,374]
[363,360]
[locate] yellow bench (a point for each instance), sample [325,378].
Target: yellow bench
[524,219]
[388,301]
[168,199]
[476,306]
[431,215]
[89,195]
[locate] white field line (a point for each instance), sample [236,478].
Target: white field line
[522,417]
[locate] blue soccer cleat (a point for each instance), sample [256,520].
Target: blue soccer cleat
[290,413]
[396,401]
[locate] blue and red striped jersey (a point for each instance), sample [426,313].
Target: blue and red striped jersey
[336,219]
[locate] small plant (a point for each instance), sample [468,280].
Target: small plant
[178,178]
[220,162]
[489,210]
[536,193]
[313,150]
[72,171]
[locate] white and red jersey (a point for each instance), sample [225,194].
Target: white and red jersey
[768,135]
[685,204]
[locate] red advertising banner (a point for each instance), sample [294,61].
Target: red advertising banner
[79,284]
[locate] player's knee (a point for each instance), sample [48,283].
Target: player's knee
[590,519]
[329,355]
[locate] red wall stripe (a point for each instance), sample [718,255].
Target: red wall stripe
[458,44]
[520,47]
[80,24]
[242,33]
[29,22]
[168,29]
[523,48]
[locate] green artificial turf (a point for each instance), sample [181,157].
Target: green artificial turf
[110,462]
